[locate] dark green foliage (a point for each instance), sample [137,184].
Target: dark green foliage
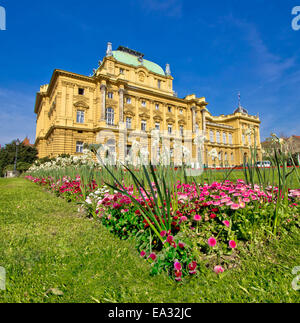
[26,154]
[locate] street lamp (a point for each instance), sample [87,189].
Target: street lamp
[16,159]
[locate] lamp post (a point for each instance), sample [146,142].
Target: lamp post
[16,159]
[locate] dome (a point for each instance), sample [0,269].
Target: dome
[240,109]
[134,60]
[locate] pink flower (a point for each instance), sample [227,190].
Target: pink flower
[170,239]
[177,266]
[153,256]
[235,206]
[212,242]
[227,223]
[192,267]
[197,217]
[213,216]
[178,275]
[163,233]
[143,254]
[232,244]
[181,245]
[219,269]
[183,219]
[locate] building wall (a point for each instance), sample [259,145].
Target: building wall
[57,130]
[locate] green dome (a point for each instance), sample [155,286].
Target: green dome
[133,60]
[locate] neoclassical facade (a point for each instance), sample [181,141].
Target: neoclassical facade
[128,95]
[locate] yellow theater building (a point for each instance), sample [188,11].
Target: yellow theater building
[127,94]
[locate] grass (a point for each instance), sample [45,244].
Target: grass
[47,248]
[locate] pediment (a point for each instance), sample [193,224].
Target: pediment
[171,120]
[81,104]
[144,115]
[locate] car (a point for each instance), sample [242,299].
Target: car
[264,164]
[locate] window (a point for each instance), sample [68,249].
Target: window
[181,130]
[224,138]
[211,136]
[144,125]
[181,111]
[220,156]
[156,106]
[244,139]
[81,91]
[230,139]
[170,129]
[121,71]
[159,84]
[79,147]
[128,123]
[218,137]
[157,126]
[232,157]
[110,95]
[197,129]
[169,109]
[80,116]
[128,100]
[110,116]
[144,104]
[226,157]
[249,140]
[172,152]
[128,150]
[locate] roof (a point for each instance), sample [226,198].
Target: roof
[133,60]
[240,109]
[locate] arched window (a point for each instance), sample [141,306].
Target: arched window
[110,116]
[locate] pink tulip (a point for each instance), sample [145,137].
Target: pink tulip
[219,269]
[232,244]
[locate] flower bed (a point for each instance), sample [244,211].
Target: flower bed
[208,224]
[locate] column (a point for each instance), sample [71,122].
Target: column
[194,118]
[121,104]
[103,94]
[204,121]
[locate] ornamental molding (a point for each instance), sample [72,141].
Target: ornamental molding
[81,104]
[144,115]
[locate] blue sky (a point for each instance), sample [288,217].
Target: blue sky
[215,48]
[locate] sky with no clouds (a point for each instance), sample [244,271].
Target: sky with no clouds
[215,48]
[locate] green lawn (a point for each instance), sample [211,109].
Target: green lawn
[45,245]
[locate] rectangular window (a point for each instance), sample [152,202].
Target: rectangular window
[81,91]
[156,106]
[128,123]
[224,138]
[181,111]
[144,104]
[159,84]
[121,71]
[79,147]
[170,128]
[144,125]
[80,116]
[181,130]
[157,126]
[110,95]
[110,116]
[230,139]
[169,109]
[128,100]
[218,137]
[211,136]
[244,139]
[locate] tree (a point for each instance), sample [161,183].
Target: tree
[26,154]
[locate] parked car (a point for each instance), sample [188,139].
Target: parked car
[264,164]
